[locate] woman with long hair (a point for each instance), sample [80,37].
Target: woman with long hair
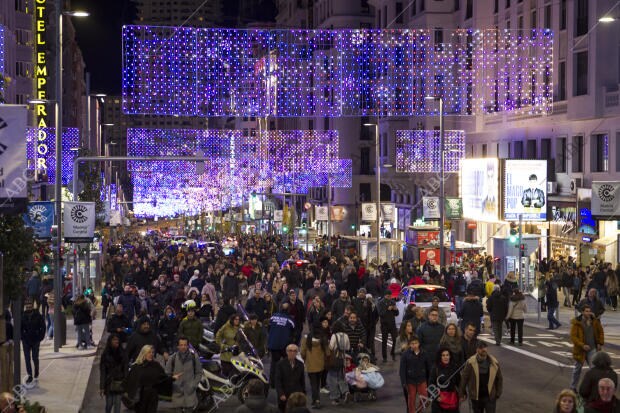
[452,341]
[113,371]
[314,351]
[406,333]
[516,316]
[445,375]
[146,380]
[225,338]
[566,402]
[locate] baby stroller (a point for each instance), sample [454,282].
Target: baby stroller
[364,380]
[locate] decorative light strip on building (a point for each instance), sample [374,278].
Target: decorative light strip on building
[41,152]
[285,161]
[293,73]
[419,150]
[2,57]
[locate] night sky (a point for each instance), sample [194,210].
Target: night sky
[99,37]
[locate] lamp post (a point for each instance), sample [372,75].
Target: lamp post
[442,195]
[58,171]
[378,174]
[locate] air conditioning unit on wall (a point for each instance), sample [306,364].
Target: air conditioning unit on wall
[574,184]
[552,187]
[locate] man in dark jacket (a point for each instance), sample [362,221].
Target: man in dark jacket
[118,323]
[230,286]
[256,304]
[481,380]
[290,377]
[414,371]
[387,315]
[606,401]
[256,401]
[471,311]
[459,289]
[281,329]
[339,304]
[140,338]
[33,332]
[297,312]
[130,303]
[497,306]
[430,333]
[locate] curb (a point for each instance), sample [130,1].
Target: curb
[100,347]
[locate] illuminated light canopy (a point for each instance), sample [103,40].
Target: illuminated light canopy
[285,161]
[419,150]
[41,151]
[288,73]
[2,57]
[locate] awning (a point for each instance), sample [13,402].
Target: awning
[605,241]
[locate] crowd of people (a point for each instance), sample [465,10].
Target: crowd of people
[315,315]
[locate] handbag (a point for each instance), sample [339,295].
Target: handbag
[130,402]
[116,386]
[448,399]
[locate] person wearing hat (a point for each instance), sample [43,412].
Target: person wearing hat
[481,380]
[387,314]
[141,337]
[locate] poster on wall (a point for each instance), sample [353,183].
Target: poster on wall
[388,212]
[337,213]
[431,255]
[480,189]
[606,200]
[13,166]
[525,189]
[587,223]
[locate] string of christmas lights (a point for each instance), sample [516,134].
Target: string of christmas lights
[286,73]
[419,150]
[41,151]
[2,57]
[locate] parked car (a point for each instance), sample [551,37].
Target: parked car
[422,295]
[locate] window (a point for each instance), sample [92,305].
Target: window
[576,153]
[365,192]
[422,5]
[545,148]
[311,124]
[534,18]
[384,147]
[495,6]
[457,5]
[325,123]
[581,74]
[531,149]
[581,22]
[484,150]
[365,161]
[438,38]
[413,7]
[507,3]
[379,18]
[399,12]
[518,150]
[562,81]
[562,14]
[548,16]
[469,9]
[365,7]
[385,16]
[599,151]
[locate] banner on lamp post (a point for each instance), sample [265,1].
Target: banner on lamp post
[388,212]
[337,213]
[453,208]
[606,199]
[321,213]
[278,214]
[40,217]
[430,207]
[369,211]
[79,220]
[13,164]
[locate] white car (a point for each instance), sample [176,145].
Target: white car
[422,296]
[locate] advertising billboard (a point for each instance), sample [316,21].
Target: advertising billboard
[480,189]
[525,189]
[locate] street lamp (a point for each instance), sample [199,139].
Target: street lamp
[378,174]
[442,195]
[58,170]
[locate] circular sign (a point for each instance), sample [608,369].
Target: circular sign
[307,205]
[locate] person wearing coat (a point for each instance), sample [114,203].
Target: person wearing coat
[516,316]
[191,327]
[33,332]
[586,334]
[225,338]
[146,380]
[289,376]
[601,368]
[82,310]
[314,350]
[497,306]
[471,312]
[186,365]
[113,369]
[481,380]
[552,304]
[255,333]
[256,402]
[444,374]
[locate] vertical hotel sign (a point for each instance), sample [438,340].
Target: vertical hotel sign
[41,73]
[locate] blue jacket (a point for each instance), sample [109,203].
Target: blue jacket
[414,368]
[281,329]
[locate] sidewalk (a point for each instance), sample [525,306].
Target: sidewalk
[63,376]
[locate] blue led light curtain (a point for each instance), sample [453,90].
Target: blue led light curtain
[41,152]
[419,150]
[292,73]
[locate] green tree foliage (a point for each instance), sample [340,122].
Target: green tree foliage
[90,175]
[17,245]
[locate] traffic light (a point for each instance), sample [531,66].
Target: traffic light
[45,265]
[285,229]
[353,227]
[253,194]
[514,232]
